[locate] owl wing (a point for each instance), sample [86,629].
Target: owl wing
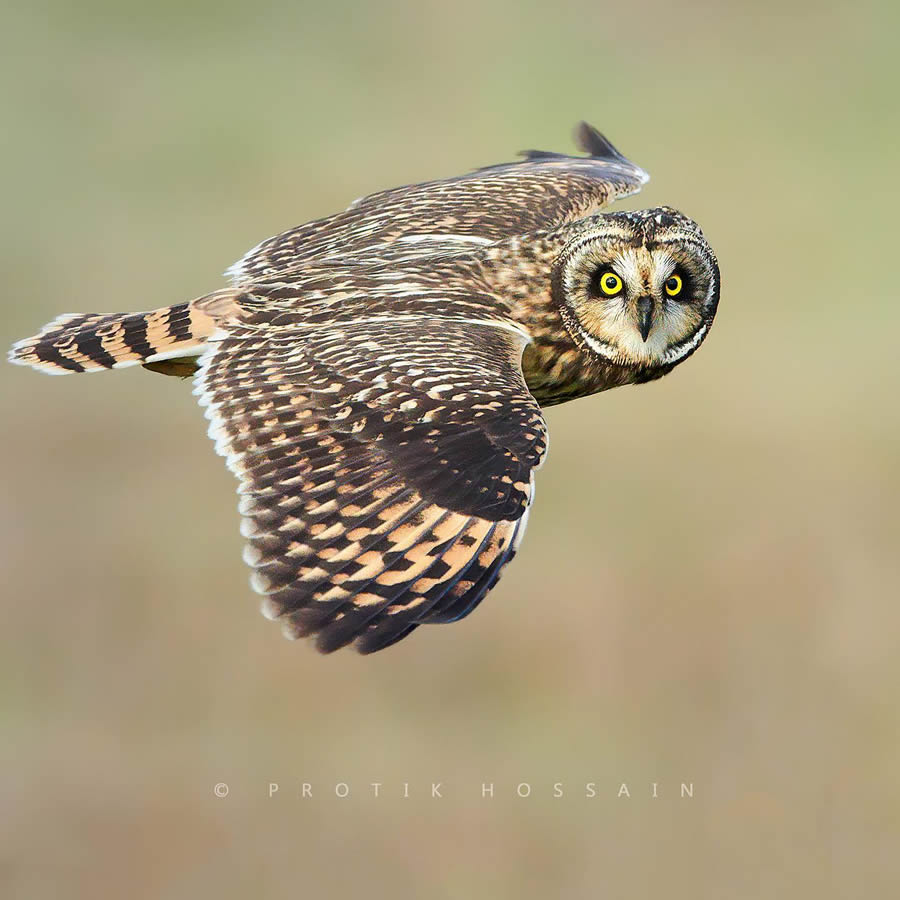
[385,467]
[544,190]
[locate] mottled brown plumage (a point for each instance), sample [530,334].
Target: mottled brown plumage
[375,378]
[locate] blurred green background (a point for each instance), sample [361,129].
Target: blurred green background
[723,611]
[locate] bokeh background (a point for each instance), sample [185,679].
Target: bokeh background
[708,592]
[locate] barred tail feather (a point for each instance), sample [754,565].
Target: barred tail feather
[93,342]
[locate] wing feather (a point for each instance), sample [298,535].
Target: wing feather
[385,471]
[453,215]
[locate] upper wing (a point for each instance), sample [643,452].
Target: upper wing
[545,190]
[385,469]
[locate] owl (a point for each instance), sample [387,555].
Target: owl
[375,379]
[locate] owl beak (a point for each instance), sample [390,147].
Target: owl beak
[645,316]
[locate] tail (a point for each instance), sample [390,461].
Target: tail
[165,340]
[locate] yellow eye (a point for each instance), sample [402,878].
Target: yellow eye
[673,285]
[610,284]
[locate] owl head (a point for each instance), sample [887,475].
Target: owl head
[638,289]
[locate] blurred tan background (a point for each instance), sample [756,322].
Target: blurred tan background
[723,611]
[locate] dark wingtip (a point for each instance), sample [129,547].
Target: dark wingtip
[588,140]
[596,145]
[540,154]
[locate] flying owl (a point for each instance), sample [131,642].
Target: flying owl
[375,379]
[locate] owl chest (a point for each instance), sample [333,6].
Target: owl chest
[557,371]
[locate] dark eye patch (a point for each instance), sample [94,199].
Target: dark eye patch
[682,278]
[606,283]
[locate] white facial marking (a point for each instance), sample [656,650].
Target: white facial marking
[673,354]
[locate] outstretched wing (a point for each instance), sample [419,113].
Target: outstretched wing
[545,190]
[385,468]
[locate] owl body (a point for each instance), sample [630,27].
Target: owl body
[375,379]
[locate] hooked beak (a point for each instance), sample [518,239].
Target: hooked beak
[645,316]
